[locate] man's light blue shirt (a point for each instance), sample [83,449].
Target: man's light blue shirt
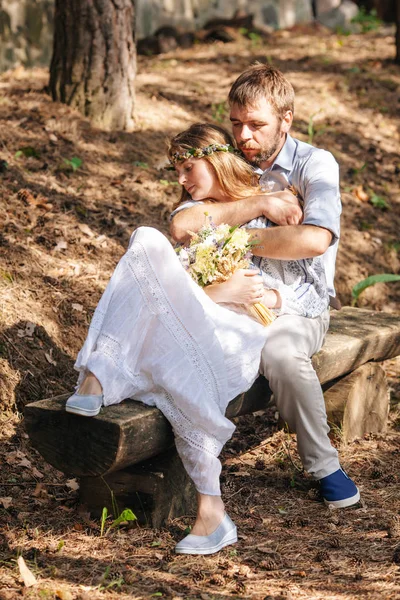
[314,173]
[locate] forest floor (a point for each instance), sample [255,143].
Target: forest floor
[64,231]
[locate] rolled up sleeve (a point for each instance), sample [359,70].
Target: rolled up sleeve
[321,194]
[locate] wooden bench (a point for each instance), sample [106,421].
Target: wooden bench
[129,448]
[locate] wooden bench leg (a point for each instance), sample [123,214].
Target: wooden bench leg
[359,402]
[155,490]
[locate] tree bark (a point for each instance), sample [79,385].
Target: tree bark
[397,59]
[94,60]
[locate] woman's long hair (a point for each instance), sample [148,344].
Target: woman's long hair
[234,175]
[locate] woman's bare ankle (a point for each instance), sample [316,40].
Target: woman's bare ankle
[210,513]
[90,386]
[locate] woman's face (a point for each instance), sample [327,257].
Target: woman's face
[199,179]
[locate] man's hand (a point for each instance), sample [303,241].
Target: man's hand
[282,208]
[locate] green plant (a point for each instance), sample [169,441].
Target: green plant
[368,20]
[393,245]
[74,163]
[27,151]
[6,276]
[113,583]
[218,111]
[104,515]
[372,280]
[255,39]
[379,202]
[139,163]
[365,226]
[125,516]
[356,171]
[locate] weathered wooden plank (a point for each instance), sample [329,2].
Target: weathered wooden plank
[359,402]
[95,446]
[355,337]
[129,433]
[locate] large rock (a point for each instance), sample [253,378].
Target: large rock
[339,17]
[324,6]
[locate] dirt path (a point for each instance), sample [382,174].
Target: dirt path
[64,232]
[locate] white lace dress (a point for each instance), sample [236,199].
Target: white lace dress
[156,337]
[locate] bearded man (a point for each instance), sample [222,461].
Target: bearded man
[261,112]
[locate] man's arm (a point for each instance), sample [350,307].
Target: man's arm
[321,224]
[280,207]
[292,242]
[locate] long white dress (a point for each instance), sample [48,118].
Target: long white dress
[157,337]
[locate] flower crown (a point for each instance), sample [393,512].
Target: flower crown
[200,153]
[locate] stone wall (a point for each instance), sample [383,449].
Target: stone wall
[26,28]
[26,25]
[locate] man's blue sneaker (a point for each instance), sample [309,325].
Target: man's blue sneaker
[338,490]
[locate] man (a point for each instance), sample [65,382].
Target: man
[261,112]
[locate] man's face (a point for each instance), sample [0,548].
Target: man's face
[258,132]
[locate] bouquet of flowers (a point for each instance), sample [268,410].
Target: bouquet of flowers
[215,253]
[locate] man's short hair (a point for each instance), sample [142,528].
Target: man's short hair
[261,80]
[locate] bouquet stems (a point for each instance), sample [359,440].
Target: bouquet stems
[263,314]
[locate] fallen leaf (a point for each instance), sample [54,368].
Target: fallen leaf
[63,594]
[23,516]
[61,245]
[40,491]
[26,574]
[17,458]
[360,194]
[49,357]
[72,484]
[37,473]
[86,229]
[77,307]
[6,501]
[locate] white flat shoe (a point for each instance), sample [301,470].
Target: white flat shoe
[86,406]
[225,534]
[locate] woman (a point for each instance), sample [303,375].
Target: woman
[158,337]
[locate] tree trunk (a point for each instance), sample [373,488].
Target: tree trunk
[94,60]
[397,59]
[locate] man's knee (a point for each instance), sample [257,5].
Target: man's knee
[282,362]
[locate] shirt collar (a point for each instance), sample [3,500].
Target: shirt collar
[285,158]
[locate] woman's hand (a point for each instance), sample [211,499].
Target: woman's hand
[244,287]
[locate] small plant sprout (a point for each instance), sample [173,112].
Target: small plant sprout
[28,152]
[73,164]
[126,516]
[379,202]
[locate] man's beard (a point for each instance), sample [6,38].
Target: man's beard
[266,150]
